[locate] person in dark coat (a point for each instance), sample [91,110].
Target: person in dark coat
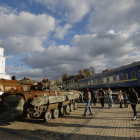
[101,95]
[133,97]
[125,99]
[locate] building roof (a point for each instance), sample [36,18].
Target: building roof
[113,70]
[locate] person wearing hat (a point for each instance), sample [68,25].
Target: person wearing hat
[120,97]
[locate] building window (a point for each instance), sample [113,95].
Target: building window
[121,76]
[91,81]
[117,77]
[95,81]
[88,82]
[100,80]
[105,80]
[111,78]
[133,74]
[125,76]
[114,78]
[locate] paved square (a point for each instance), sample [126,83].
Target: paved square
[105,124]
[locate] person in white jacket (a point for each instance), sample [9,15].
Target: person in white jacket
[120,97]
[110,100]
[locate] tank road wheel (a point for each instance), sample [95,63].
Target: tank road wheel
[37,111]
[67,109]
[55,113]
[75,106]
[71,107]
[62,112]
[48,116]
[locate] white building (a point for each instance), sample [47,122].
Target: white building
[3,75]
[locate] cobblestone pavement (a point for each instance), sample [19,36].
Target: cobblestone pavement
[105,124]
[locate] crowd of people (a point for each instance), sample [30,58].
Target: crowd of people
[93,95]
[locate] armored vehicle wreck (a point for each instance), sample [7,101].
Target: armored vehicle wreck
[40,100]
[7,86]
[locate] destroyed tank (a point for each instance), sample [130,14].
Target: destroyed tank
[42,99]
[7,86]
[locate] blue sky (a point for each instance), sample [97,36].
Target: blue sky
[44,38]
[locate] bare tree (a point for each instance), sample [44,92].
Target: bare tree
[86,72]
[80,74]
[65,77]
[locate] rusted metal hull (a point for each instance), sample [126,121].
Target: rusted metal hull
[33,103]
[13,105]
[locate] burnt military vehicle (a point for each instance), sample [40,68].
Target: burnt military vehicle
[7,86]
[39,100]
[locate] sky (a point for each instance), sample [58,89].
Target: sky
[45,38]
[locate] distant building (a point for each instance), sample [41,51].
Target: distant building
[3,75]
[58,82]
[71,83]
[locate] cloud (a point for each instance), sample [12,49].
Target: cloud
[136,40]
[75,10]
[27,24]
[24,32]
[52,56]
[102,50]
[10,69]
[31,73]
[119,16]
[5,9]
[103,44]
[62,31]
[112,37]
[22,44]
[34,74]
[9,56]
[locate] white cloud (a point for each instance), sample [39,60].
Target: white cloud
[110,32]
[75,10]
[5,9]
[9,56]
[60,31]
[26,23]
[136,40]
[24,32]
[119,15]
[112,40]
[22,44]
[19,73]
[99,50]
